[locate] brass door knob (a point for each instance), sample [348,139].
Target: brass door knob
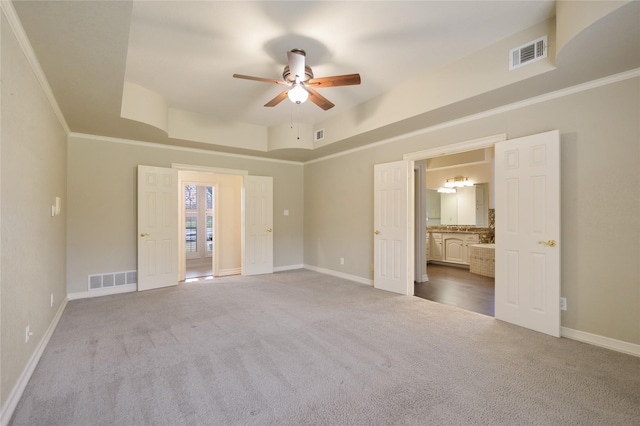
[376,232]
[550,243]
[144,234]
[269,230]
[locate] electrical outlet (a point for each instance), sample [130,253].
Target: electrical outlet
[563,303]
[342,260]
[27,334]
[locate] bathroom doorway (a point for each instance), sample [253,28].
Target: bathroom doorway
[455,225]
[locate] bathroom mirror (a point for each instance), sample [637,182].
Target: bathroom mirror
[469,206]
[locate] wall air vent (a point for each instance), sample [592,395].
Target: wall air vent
[318,135]
[528,53]
[112,279]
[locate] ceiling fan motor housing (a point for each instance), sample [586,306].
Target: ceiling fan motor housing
[286,74]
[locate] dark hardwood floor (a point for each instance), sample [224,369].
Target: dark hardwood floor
[456,286]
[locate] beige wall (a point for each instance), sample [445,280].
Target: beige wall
[101,183]
[33,172]
[600,149]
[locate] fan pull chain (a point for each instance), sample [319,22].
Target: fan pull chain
[297,121]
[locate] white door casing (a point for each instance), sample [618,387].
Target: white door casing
[158,228]
[393,220]
[257,250]
[527,194]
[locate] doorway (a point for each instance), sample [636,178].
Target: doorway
[526,173]
[454,222]
[211,219]
[199,229]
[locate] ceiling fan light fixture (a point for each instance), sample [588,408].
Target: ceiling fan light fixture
[298,94]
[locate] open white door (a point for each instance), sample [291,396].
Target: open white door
[258,225]
[157,227]
[392,221]
[527,172]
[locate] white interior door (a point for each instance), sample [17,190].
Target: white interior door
[158,228]
[258,225]
[527,190]
[393,218]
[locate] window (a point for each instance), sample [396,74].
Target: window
[198,220]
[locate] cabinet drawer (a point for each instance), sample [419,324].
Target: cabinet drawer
[472,238]
[436,235]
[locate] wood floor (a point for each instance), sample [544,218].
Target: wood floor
[458,287]
[198,268]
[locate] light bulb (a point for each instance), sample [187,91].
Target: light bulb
[298,94]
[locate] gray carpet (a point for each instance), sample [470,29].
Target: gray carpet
[302,348]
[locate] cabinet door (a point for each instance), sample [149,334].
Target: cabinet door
[436,248]
[453,250]
[468,240]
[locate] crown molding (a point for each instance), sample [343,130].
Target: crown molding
[178,148]
[604,81]
[16,26]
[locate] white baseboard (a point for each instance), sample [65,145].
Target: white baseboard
[21,384]
[287,268]
[339,274]
[127,288]
[228,272]
[603,342]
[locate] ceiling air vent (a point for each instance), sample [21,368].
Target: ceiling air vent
[528,53]
[318,135]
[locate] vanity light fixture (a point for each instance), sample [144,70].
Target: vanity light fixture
[458,182]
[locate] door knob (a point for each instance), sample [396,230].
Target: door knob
[269,229]
[550,243]
[144,234]
[376,232]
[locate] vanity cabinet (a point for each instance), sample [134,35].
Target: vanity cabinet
[435,243]
[452,247]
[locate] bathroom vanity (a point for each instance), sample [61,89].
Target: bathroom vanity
[451,245]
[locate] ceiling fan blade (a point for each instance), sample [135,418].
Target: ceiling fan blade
[319,100]
[265,80]
[338,80]
[275,101]
[296,64]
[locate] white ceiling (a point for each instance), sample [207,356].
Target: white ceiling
[187,51]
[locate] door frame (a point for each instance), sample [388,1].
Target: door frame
[204,170]
[456,148]
[420,230]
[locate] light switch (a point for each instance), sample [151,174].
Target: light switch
[286,212]
[58,205]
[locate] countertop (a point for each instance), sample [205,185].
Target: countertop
[456,229]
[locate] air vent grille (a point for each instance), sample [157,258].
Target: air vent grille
[112,279]
[528,53]
[318,135]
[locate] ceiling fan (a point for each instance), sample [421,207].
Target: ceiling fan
[301,83]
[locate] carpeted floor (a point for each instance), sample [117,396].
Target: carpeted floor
[302,348]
